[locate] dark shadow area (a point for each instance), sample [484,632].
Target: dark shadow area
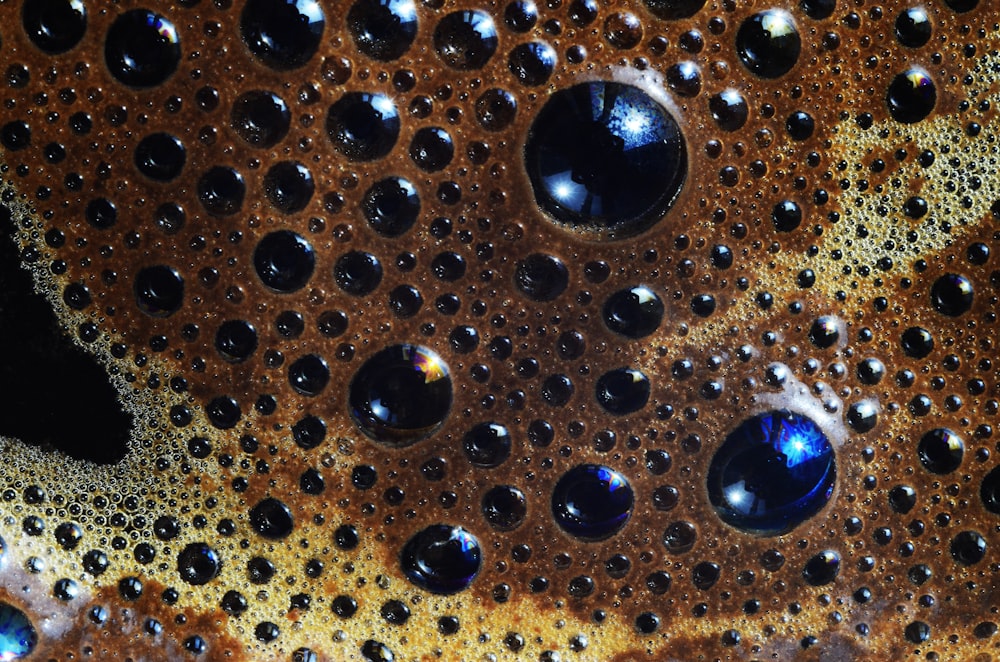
[52,393]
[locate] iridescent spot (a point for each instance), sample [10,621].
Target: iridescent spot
[401,395]
[768,43]
[142,49]
[773,472]
[441,559]
[911,96]
[17,635]
[592,502]
[604,157]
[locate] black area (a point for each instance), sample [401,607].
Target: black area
[56,396]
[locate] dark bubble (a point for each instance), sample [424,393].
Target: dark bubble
[913,27]
[504,507]
[800,125]
[284,261]
[101,213]
[54,26]
[671,10]
[604,156]
[431,148]
[142,49]
[703,305]
[634,312]
[223,412]
[520,16]
[557,390]
[463,339]
[487,445]
[729,110]
[768,43]
[772,472]
[824,332]
[541,277]
[236,340]
[198,564]
[916,342]
[391,206]
[862,416]
[284,34]
[870,371]
[818,9]
[680,537]
[260,118]
[170,217]
[18,636]
[401,394]
[495,109]
[160,156]
[289,186]
[448,266]
[951,295]
[532,63]
[441,559]
[822,568]
[159,290]
[383,29]
[465,39]
[363,127]
[786,216]
[940,451]
[917,632]
[902,499]
[405,301]
[911,96]
[221,191]
[592,502]
[358,273]
[309,375]
[968,548]
[989,491]
[622,391]
[309,432]
[962,6]
[15,135]
[271,519]
[684,78]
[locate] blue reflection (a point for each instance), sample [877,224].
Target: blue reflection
[17,636]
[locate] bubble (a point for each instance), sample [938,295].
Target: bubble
[962,6]
[441,559]
[272,519]
[940,451]
[822,568]
[198,564]
[703,305]
[236,340]
[671,10]
[260,118]
[773,472]
[160,156]
[917,342]
[358,273]
[15,135]
[223,412]
[541,277]
[221,191]
[634,312]
[283,34]
[54,26]
[705,574]
[520,16]
[363,127]
[401,394]
[989,491]
[289,186]
[465,39]
[309,375]
[159,291]
[391,206]
[605,157]
[818,9]
[284,261]
[800,125]
[405,301]
[18,637]
[142,49]
[495,109]
[376,651]
[383,29]
[448,266]
[902,499]
[557,390]
[532,63]
[913,27]
[968,547]
[622,391]
[729,110]
[592,502]
[504,507]
[824,332]
[309,432]
[911,96]
[487,445]
[768,43]
[786,216]
[862,416]
[679,537]
[951,295]
[431,148]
